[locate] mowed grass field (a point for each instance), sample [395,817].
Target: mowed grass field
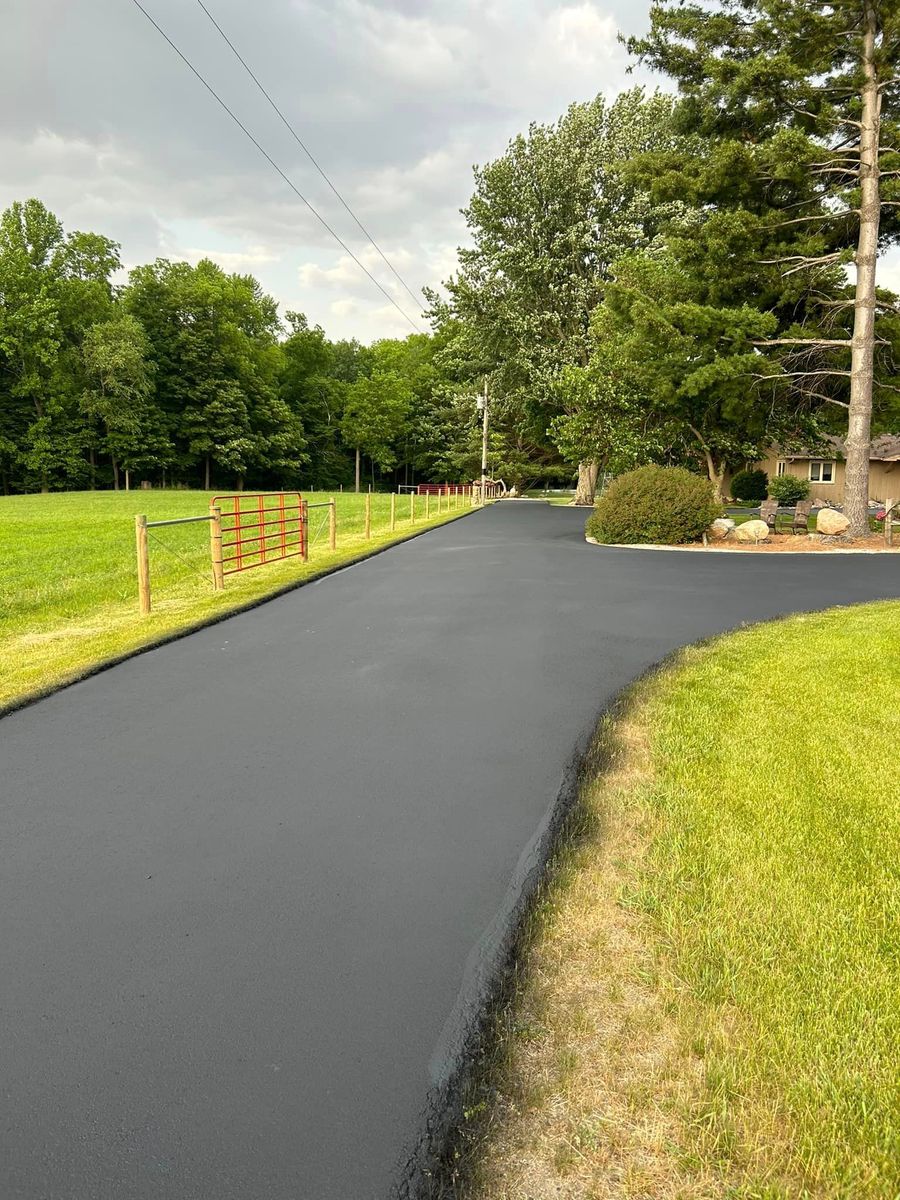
[68,575]
[708,998]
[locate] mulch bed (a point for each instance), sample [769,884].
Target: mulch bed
[787,542]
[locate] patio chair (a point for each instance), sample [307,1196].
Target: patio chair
[800,524]
[768,512]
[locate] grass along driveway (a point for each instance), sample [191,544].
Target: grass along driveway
[68,579]
[708,998]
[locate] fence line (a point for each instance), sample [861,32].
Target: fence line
[263,528]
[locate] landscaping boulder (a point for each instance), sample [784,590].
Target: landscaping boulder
[720,529]
[752,531]
[831,522]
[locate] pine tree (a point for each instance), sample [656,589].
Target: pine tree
[819,82]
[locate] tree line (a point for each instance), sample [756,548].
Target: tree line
[185,375]
[683,278]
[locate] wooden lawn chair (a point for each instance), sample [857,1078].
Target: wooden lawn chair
[768,512]
[800,524]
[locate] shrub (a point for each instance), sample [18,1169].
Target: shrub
[788,489]
[750,485]
[654,504]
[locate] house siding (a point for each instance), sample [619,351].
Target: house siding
[884,477]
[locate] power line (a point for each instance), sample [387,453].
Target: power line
[309,154]
[271,161]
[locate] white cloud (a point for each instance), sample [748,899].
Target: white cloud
[584,34]
[396,98]
[233,260]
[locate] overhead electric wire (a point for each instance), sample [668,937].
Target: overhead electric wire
[309,154]
[271,161]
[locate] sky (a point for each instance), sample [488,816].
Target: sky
[397,99]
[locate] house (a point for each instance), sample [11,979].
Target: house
[825,470]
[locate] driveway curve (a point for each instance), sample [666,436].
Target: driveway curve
[252,880]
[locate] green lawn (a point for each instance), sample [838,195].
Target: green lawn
[68,582]
[709,999]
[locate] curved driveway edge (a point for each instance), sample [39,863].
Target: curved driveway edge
[254,880]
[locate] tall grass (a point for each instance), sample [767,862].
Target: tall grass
[68,577]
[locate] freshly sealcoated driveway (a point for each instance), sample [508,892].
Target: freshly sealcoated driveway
[251,881]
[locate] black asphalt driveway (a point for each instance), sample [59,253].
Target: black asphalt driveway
[251,881]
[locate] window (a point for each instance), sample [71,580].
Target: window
[821,472]
[779,467]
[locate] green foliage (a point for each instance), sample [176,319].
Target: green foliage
[375,412]
[548,220]
[772,94]
[750,485]
[662,505]
[184,376]
[788,489]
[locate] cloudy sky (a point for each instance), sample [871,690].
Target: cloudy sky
[396,98]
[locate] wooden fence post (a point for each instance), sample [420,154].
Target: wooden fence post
[143,564]
[412,507]
[215,547]
[332,525]
[428,506]
[304,531]
[393,511]
[889,521]
[368,514]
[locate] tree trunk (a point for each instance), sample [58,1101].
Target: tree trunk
[587,481]
[206,475]
[115,467]
[240,483]
[93,463]
[357,469]
[859,424]
[715,471]
[127,479]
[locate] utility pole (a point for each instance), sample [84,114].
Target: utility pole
[484,438]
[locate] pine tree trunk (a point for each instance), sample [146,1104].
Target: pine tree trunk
[206,475]
[587,481]
[357,469]
[859,425]
[115,467]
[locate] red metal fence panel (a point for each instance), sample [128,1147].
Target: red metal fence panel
[262,527]
[444,489]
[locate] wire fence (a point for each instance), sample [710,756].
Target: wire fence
[311,528]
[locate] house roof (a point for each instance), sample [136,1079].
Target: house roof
[885,448]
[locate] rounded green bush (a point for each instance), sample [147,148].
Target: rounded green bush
[788,489]
[750,485]
[664,505]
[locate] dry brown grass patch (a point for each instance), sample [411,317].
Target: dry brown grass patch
[591,1081]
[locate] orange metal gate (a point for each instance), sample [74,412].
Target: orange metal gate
[262,527]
